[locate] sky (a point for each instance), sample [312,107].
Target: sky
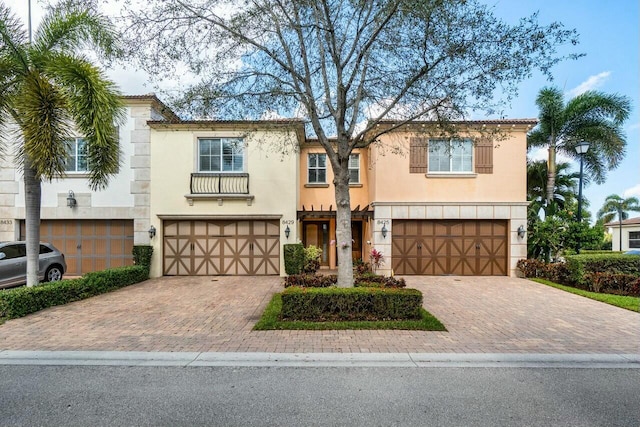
[609,36]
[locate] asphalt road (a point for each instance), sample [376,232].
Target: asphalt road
[277,396]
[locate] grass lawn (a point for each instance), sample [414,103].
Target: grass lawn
[270,321]
[629,303]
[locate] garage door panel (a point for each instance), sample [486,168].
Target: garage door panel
[459,247]
[89,244]
[227,248]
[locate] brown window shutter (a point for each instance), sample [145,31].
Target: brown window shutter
[418,155]
[484,155]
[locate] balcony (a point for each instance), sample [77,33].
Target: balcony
[219,186]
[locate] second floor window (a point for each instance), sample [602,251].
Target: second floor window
[77,156]
[354,169]
[450,155]
[317,168]
[220,155]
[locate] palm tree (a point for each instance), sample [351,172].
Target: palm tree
[593,116]
[564,189]
[615,205]
[47,89]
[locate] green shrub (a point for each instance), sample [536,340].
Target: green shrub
[360,267]
[310,280]
[21,301]
[377,281]
[345,304]
[556,272]
[579,265]
[142,255]
[613,283]
[312,256]
[293,258]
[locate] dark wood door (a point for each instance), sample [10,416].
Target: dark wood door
[450,247]
[211,248]
[316,233]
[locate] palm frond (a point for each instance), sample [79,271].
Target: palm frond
[70,26]
[96,108]
[45,126]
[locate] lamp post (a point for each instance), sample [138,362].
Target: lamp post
[581,149]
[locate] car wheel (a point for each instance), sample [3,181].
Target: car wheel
[53,274]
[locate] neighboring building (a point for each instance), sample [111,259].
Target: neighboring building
[223,197]
[94,229]
[630,234]
[446,206]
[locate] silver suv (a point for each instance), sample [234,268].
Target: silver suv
[13,263]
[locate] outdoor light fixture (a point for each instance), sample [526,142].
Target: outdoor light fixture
[581,149]
[384,231]
[521,232]
[152,232]
[71,200]
[287,231]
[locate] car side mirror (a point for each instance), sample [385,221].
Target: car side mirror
[3,255]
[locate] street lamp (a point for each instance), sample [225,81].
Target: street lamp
[581,149]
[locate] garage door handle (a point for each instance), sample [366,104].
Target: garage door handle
[477,245]
[79,247]
[419,246]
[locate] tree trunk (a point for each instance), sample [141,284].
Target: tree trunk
[32,194]
[551,171]
[344,242]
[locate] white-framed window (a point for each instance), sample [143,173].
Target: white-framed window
[634,239]
[220,155]
[450,155]
[354,169]
[77,160]
[317,168]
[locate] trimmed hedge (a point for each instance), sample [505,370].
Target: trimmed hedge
[344,304]
[580,265]
[613,283]
[142,255]
[293,258]
[310,280]
[19,302]
[372,280]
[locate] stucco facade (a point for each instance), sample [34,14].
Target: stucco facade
[270,163]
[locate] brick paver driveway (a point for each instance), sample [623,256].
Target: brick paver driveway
[482,315]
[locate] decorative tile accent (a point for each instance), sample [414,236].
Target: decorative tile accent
[485,212]
[468,212]
[434,212]
[501,212]
[400,212]
[417,212]
[451,212]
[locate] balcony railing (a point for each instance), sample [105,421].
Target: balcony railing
[219,183]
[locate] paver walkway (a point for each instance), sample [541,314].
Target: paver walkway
[216,314]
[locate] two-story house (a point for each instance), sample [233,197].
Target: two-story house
[223,197]
[94,229]
[433,205]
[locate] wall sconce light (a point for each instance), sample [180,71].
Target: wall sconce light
[152,232]
[287,231]
[384,231]
[71,199]
[521,232]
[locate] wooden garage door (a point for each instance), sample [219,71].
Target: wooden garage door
[208,247]
[456,247]
[89,245]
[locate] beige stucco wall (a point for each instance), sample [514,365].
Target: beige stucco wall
[273,178]
[393,182]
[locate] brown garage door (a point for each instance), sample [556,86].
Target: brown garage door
[208,247]
[457,247]
[89,244]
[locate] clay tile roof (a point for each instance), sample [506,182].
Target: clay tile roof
[629,221]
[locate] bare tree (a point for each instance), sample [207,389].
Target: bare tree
[346,64]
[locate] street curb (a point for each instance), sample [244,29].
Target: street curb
[403,360]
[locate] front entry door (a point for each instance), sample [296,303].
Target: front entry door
[317,233]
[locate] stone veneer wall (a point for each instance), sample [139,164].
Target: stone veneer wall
[385,213]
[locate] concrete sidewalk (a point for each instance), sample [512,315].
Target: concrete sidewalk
[395,360]
[483,315]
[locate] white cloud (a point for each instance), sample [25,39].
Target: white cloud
[632,192]
[593,82]
[542,153]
